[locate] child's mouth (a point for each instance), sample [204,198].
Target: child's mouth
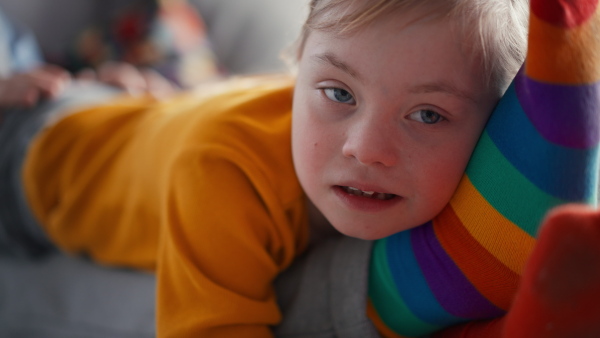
[368,194]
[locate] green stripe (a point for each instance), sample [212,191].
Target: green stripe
[387,301]
[506,189]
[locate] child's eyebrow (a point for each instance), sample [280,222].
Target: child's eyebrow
[333,60]
[443,87]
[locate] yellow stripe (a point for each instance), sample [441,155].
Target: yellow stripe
[502,238]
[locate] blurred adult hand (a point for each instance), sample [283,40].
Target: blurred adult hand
[28,88]
[133,80]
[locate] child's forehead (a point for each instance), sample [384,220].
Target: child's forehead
[394,23]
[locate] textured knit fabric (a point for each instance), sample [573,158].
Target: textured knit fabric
[213,168]
[539,150]
[235,216]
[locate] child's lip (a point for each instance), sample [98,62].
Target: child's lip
[365,203]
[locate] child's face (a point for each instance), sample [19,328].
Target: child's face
[384,123]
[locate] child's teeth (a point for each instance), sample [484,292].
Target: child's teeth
[353,190]
[369,194]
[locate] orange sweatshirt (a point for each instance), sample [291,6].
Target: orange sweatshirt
[204,181]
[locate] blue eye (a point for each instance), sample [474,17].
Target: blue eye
[426,116]
[339,95]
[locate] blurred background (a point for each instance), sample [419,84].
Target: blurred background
[226,36]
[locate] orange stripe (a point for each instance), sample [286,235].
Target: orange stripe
[383,330]
[499,236]
[488,275]
[555,56]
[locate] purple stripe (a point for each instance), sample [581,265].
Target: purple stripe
[565,115]
[451,288]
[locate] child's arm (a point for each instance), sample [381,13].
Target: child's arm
[539,150]
[234,215]
[216,268]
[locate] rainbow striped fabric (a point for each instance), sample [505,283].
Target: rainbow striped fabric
[539,150]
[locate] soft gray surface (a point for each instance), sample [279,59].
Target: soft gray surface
[65,297]
[324,294]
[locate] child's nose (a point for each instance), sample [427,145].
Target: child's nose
[371,143]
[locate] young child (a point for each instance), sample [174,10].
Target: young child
[388,104]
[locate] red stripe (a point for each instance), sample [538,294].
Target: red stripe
[488,275]
[564,13]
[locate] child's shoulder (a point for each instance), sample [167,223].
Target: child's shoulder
[244,121]
[249,116]
[246,105]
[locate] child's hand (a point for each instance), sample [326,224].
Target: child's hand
[26,89]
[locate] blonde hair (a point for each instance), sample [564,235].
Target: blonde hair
[495,31]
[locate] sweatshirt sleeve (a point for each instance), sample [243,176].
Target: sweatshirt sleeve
[230,229]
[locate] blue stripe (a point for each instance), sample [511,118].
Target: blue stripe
[384,296]
[567,174]
[411,282]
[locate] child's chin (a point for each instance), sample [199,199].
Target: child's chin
[364,233]
[372,233]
